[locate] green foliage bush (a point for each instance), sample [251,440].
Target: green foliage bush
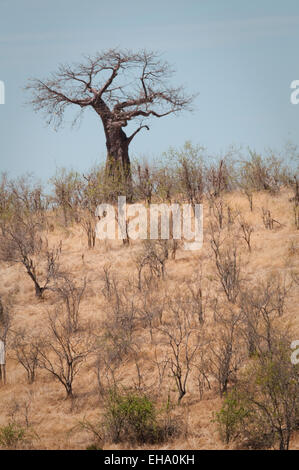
[11,435]
[133,417]
[262,411]
[231,416]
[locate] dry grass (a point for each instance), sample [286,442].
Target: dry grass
[53,417]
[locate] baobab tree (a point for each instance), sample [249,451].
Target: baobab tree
[120,86]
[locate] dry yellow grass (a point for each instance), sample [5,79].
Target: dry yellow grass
[53,417]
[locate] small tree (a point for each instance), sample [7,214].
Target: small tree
[67,193]
[226,354]
[228,267]
[26,349]
[24,244]
[63,353]
[5,324]
[263,408]
[182,340]
[151,261]
[246,232]
[71,295]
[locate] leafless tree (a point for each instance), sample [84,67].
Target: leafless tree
[225,353]
[87,221]
[26,350]
[71,295]
[161,361]
[249,194]
[261,305]
[152,258]
[24,244]
[5,318]
[151,310]
[119,86]
[121,321]
[295,200]
[107,365]
[228,267]
[109,282]
[217,179]
[5,326]
[182,339]
[201,365]
[20,409]
[144,184]
[246,232]
[217,206]
[63,352]
[189,172]
[268,219]
[197,296]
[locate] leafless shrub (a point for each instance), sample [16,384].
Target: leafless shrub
[182,340]
[225,354]
[189,172]
[5,327]
[109,282]
[216,206]
[26,350]
[107,366]
[20,196]
[201,366]
[197,296]
[5,318]
[295,200]
[151,310]
[217,179]
[24,244]
[121,321]
[231,216]
[249,194]
[161,361]
[268,219]
[228,267]
[87,221]
[246,232]
[144,184]
[63,352]
[71,295]
[94,429]
[67,196]
[20,410]
[151,261]
[261,305]
[174,245]
[258,173]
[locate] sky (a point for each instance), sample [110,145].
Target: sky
[239,56]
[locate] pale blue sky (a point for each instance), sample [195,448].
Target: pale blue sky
[239,56]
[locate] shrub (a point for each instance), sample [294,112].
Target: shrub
[11,435]
[231,416]
[132,417]
[262,411]
[93,447]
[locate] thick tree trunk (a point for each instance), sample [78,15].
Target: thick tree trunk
[118,161]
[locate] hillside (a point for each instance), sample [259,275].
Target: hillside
[54,420]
